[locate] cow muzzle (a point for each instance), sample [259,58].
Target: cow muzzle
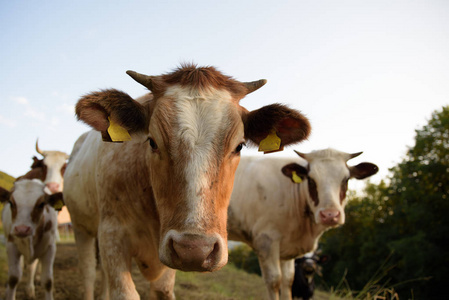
[54,187]
[193,252]
[331,217]
[22,231]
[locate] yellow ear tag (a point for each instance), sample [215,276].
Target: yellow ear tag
[58,205]
[271,143]
[296,178]
[117,132]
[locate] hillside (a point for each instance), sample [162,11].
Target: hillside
[6,181]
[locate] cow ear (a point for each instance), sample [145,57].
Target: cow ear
[286,123]
[363,170]
[103,109]
[4,195]
[37,163]
[56,201]
[293,169]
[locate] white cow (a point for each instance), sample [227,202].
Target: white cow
[30,225]
[282,219]
[50,169]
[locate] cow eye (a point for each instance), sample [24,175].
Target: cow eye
[239,148]
[152,144]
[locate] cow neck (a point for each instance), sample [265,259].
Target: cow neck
[304,213]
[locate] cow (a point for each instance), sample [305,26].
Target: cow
[152,181]
[50,169]
[29,223]
[283,217]
[306,267]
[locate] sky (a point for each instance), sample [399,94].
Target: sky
[367,74]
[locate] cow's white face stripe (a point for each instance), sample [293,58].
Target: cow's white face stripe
[328,169]
[54,162]
[26,193]
[202,120]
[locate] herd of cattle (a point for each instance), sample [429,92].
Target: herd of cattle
[160,180]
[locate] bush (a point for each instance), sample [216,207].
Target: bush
[243,257]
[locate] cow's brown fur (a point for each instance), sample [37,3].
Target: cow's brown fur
[38,170]
[201,79]
[166,187]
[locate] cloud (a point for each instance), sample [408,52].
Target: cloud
[29,110]
[21,100]
[7,122]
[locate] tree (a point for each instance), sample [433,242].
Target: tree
[407,216]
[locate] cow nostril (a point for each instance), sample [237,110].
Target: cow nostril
[330,216]
[213,255]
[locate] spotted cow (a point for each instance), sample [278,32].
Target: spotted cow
[283,216]
[30,225]
[50,169]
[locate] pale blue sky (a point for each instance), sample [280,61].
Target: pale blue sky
[366,73]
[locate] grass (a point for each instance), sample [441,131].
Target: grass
[233,283]
[227,283]
[6,181]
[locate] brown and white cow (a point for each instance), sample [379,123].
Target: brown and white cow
[29,223]
[161,197]
[282,219]
[50,169]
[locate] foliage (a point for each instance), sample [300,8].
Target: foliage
[405,217]
[243,257]
[6,181]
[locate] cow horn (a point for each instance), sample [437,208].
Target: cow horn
[354,155]
[254,85]
[39,150]
[145,80]
[303,155]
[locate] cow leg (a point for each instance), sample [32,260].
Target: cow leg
[104,285]
[31,270]
[162,288]
[116,256]
[85,244]
[47,272]
[288,274]
[268,254]
[14,270]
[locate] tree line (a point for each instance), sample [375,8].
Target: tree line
[397,232]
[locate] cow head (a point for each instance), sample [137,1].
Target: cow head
[310,264]
[50,169]
[326,181]
[193,129]
[27,201]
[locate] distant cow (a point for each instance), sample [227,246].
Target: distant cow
[161,195]
[306,267]
[29,223]
[50,169]
[281,218]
